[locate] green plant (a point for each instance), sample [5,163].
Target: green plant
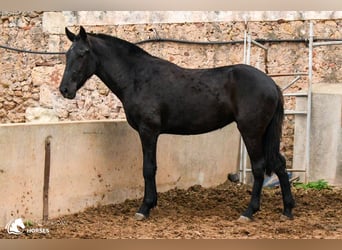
[317,185]
[28,223]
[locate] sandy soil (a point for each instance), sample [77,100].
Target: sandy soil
[204,213]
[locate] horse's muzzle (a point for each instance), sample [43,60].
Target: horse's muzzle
[66,93]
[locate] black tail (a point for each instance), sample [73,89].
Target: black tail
[273,135]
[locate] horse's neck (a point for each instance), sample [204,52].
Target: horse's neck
[115,69]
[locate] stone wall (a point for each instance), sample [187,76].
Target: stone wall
[29,82]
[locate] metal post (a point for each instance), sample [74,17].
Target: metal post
[245,42]
[242,170]
[244,155]
[246,60]
[308,123]
[249,47]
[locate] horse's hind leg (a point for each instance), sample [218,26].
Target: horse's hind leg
[254,148]
[280,170]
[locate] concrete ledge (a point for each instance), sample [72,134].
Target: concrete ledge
[100,162]
[54,22]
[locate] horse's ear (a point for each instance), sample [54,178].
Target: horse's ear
[83,33]
[71,36]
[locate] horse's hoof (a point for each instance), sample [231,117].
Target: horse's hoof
[244,219]
[140,216]
[283,217]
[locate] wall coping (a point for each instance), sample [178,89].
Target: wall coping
[327,88]
[54,22]
[28,124]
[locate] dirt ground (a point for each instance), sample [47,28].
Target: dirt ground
[204,213]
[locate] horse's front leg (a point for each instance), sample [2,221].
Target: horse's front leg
[149,145]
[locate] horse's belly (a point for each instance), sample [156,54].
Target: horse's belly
[196,124]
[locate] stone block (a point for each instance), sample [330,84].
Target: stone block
[49,75]
[55,22]
[40,115]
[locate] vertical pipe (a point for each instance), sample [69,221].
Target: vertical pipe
[242,167]
[245,42]
[248,61]
[244,163]
[240,160]
[249,47]
[46,178]
[243,150]
[266,61]
[308,121]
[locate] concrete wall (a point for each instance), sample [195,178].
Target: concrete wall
[326,133]
[100,162]
[325,136]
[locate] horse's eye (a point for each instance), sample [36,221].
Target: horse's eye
[83,52]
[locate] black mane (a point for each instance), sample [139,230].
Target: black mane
[132,48]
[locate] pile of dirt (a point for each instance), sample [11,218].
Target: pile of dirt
[205,213]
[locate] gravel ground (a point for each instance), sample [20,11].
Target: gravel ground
[204,213]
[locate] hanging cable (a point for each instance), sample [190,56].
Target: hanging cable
[30,51]
[171,40]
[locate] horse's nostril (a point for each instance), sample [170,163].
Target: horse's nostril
[63,90]
[67,93]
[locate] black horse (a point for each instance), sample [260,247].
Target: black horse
[161,97]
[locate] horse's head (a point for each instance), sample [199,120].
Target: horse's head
[80,64]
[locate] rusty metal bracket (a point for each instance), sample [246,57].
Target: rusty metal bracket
[47,163]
